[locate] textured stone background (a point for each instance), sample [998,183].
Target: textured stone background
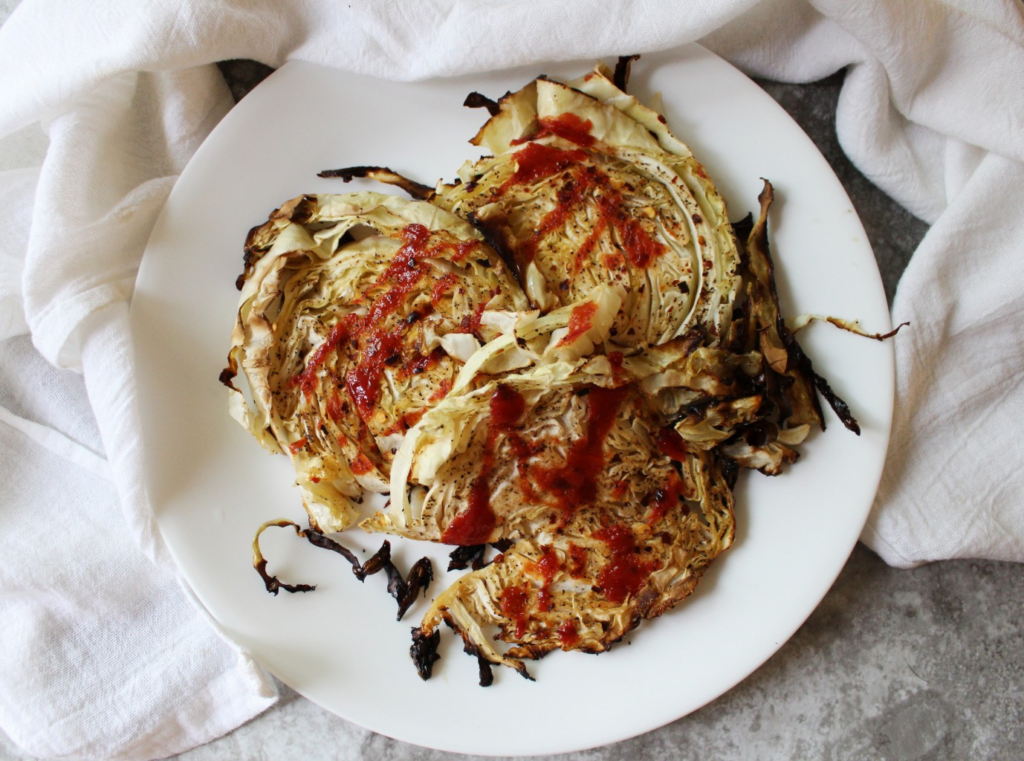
[894,664]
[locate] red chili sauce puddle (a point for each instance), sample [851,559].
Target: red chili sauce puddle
[515,603]
[535,162]
[475,524]
[567,126]
[626,571]
[667,498]
[568,635]
[581,319]
[672,444]
[545,568]
[574,484]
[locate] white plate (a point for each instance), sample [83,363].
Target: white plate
[211,485]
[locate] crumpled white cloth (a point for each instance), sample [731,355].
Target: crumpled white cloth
[102,656]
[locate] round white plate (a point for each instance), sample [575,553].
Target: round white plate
[211,485]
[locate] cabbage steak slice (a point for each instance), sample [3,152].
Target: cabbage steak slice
[610,518]
[586,186]
[356,313]
[607,528]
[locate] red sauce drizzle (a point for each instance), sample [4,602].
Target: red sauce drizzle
[296,446]
[361,465]
[507,406]
[464,249]
[402,274]
[584,251]
[569,127]
[442,286]
[421,363]
[577,561]
[546,567]
[335,407]
[471,322]
[672,444]
[581,319]
[625,572]
[570,196]
[412,418]
[523,450]
[575,484]
[568,634]
[307,379]
[475,524]
[363,381]
[615,357]
[378,347]
[667,498]
[535,162]
[398,426]
[442,390]
[614,261]
[639,247]
[620,489]
[514,601]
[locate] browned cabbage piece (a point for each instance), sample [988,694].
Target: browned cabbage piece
[613,519]
[588,187]
[355,315]
[584,585]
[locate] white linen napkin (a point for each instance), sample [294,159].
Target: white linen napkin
[103,657]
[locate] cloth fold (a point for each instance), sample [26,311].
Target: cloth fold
[931,110]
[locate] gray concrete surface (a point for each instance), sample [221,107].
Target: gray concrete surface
[900,665]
